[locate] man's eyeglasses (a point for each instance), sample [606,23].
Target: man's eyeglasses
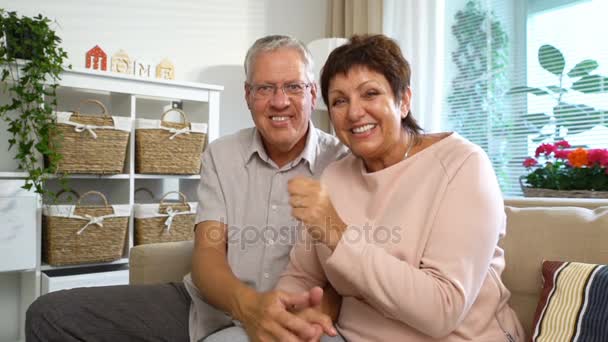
[265,91]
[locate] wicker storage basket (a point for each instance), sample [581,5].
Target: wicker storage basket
[75,234]
[164,222]
[94,144]
[538,192]
[163,147]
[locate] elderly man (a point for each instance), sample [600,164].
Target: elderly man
[244,232]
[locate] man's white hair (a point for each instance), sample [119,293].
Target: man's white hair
[273,43]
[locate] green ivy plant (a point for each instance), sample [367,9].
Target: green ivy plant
[575,117]
[31,61]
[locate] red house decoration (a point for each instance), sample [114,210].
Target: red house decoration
[96,59]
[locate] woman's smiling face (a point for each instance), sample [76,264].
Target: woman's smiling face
[365,113]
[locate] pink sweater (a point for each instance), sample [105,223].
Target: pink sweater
[419,261]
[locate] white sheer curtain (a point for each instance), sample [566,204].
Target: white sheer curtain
[418,26]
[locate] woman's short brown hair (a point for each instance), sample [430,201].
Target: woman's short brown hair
[378,53]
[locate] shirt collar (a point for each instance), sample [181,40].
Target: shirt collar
[256,146]
[309,154]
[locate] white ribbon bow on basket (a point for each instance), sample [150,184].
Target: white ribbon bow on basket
[91,220]
[98,221]
[170,214]
[80,128]
[176,132]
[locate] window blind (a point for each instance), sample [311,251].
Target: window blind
[520,73]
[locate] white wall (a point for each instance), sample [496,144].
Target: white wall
[206,39]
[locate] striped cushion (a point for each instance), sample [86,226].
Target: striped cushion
[574,303]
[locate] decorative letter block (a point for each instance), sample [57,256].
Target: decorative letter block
[96,59]
[121,63]
[142,68]
[165,70]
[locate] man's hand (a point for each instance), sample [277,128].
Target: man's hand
[266,317]
[311,205]
[314,313]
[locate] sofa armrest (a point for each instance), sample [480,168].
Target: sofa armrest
[160,262]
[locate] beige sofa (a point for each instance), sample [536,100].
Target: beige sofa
[537,229]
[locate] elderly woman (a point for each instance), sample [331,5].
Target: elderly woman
[406,228]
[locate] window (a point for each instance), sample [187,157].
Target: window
[519,73]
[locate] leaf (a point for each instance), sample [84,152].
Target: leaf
[541,137]
[551,59]
[576,117]
[42,148]
[591,84]
[524,89]
[557,90]
[536,121]
[583,68]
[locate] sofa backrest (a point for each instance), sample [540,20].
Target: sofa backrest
[549,229]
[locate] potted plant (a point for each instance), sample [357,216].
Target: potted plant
[31,61]
[557,170]
[575,117]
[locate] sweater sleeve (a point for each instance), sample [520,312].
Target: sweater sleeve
[304,271]
[435,296]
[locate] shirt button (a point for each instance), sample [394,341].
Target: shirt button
[274,207]
[266,275]
[271,242]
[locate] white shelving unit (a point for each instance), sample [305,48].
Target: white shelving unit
[123,95]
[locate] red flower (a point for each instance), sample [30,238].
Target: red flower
[595,156]
[562,154]
[529,162]
[562,144]
[547,149]
[599,156]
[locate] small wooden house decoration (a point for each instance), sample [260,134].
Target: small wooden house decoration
[142,68]
[165,70]
[121,63]
[96,59]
